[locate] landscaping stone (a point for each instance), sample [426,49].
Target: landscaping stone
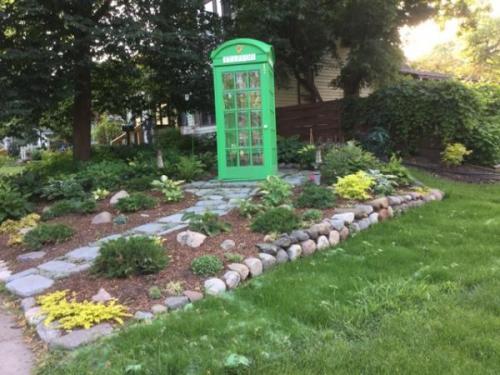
[344,234]
[143,315]
[83,254]
[438,194]
[151,229]
[20,275]
[175,218]
[28,303]
[80,337]
[321,228]
[174,303]
[294,252]
[298,236]
[34,316]
[117,196]
[193,295]
[111,237]
[362,210]
[228,245]
[308,247]
[337,224]
[323,243]
[240,268]
[34,255]
[232,278]
[346,217]
[57,269]
[29,285]
[354,227]
[214,286]
[4,275]
[313,234]
[414,195]
[283,241]
[383,214]
[429,197]
[394,201]
[267,248]
[334,238]
[373,218]
[102,218]
[191,239]
[267,260]
[390,211]
[102,296]
[364,224]
[379,203]
[268,238]
[48,332]
[254,266]
[158,309]
[281,256]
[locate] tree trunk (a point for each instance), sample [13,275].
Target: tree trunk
[351,88]
[309,84]
[82,115]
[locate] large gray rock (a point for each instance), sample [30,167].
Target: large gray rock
[346,217]
[228,245]
[28,257]
[373,218]
[193,295]
[29,286]
[379,203]
[364,223]
[80,337]
[267,260]
[83,254]
[294,252]
[241,269]
[191,239]
[158,309]
[214,286]
[58,269]
[174,303]
[283,242]
[117,196]
[323,243]
[254,265]
[298,236]
[232,278]
[337,224]
[308,247]
[102,218]
[334,238]
[281,256]
[143,315]
[362,210]
[394,200]
[267,248]
[322,228]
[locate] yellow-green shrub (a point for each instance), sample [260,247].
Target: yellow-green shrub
[454,153]
[14,228]
[354,186]
[72,314]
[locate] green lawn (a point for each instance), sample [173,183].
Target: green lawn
[417,295]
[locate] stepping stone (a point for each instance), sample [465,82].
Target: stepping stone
[174,219]
[151,228]
[58,269]
[108,238]
[80,337]
[29,285]
[34,255]
[19,275]
[4,275]
[174,303]
[83,254]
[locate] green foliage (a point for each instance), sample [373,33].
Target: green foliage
[106,129]
[288,149]
[141,183]
[171,189]
[345,159]
[100,194]
[110,173]
[207,223]
[275,191]
[312,216]
[314,196]
[277,219]
[454,153]
[154,292]
[354,186]
[131,256]
[120,220]
[206,265]
[395,168]
[13,205]
[377,141]
[47,234]
[235,361]
[66,188]
[307,156]
[234,257]
[383,184]
[189,168]
[70,206]
[136,202]
[248,209]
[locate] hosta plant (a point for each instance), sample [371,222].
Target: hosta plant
[100,194]
[207,223]
[384,184]
[248,209]
[275,192]
[354,186]
[170,189]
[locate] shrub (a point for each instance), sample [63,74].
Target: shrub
[141,183]
[47,234]
[171,189]
[307,156]
[154,292]
[13,205]
[189,168]
[454,153]
[248,209]
[72,314]
[278,219]
[312,216]
[354,186]
[126,257]
[110,173]
[395,168]
[106,130]
[383,184]
[234,257]
[288,149]
[275,192]
[314,196]
[70,206]
[206,265]
[14,228]
[136,202]
[66,188]
[207,223]
[377,141]
[346,159]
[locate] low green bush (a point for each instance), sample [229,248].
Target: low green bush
[189,168]
[206,265]
[355,186]
[307,156]
[207,223]
[382,184]
[249,209]
[314,196]
[65,188]
[70,206]
[288,149]
[154,292]
[13,204]
[234,257]
[47,234]
[126,257]
[275,191]
[278,219]
[136,202]
[312,216]
[395,168]
[142,183]
[109,173]
[171,189]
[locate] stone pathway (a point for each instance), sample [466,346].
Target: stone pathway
[215,196]
[15,356]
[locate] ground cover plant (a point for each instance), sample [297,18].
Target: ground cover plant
[136,202]
[207,223]
[171,189]
[47,234]
[314,196]
[13,204]
[206,265]
[70,206]
[276,219]
[415,295]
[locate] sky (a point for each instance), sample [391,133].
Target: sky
[419,40]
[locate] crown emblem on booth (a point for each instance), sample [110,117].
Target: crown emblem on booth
[239,49]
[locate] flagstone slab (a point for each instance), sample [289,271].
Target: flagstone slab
[29,285]
[84,254]
[58,269]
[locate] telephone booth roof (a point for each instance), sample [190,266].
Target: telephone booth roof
[242,51]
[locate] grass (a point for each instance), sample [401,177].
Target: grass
[416,295]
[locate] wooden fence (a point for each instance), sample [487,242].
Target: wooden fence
[317,122]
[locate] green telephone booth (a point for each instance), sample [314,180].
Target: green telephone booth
[245,110]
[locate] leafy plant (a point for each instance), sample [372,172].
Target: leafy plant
[120,220]
[189,168]
[248,209]
[277,219]
[275,192]
[100,194]
[110,173]
[454,153]
[395,168]
[13,205]
[16,229]
[66,188]
[307,156]
[383,184]
[136,202]
[346,159]
[207,223]
[234,257]
[174,288]
[125,257]
[141,183]
[206,265]
[154,292]
[314,196]
[45,234]
[171,189]
[288,149]
[312,216]
[377,141]
[354,186]
[70,206]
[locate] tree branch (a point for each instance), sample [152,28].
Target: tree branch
[101,12]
